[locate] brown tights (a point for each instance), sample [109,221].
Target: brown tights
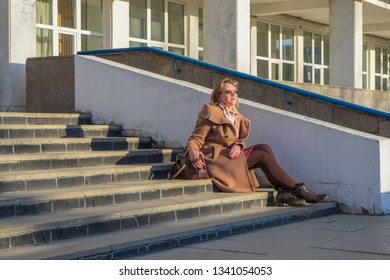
[262,156]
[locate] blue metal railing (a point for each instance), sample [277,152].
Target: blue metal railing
[244,76]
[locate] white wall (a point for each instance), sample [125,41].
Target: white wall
[117,93]
[348,165]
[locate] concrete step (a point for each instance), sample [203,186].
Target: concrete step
[156,237]
[42,145]
[60,130]
[69,189]
[44,118]
[51,227]
[22,162]
[44,201]
[83,176]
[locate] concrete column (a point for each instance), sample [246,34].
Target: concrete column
[371,65]
[120,24]
[18,42]
[227,33]
[193,29]
[346,42]
[299,58]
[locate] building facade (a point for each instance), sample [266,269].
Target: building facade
[342,43]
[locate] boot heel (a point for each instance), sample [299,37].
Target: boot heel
[278,202]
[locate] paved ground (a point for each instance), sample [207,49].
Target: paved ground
[335,237]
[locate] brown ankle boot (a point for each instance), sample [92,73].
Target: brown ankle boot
[287,197]
[309,196]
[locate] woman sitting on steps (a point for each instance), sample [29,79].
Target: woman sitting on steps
[220,133]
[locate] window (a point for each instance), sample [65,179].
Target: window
[91,15]
[91,25]
[138,19]
[315,58]
[44,34]
[382,72]
[157,23]
[44,42]
[275,52]
[64,27]
[157,20]
[66,13]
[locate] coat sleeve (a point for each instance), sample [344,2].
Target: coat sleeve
[241,143]
[198,136]
[245,126]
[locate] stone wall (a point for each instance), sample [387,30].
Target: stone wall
[50,85]
[255,91]
[375,99]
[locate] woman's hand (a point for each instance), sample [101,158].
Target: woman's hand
[197,159]
[234,152]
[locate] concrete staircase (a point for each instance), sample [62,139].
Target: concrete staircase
[70,189]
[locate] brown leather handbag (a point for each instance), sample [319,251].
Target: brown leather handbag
[183,169]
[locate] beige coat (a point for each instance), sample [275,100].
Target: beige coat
[214,135]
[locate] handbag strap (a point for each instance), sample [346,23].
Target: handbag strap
[177,173]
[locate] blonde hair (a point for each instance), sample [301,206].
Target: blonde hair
[216,93]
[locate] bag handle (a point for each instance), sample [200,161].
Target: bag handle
[177,173]
[184,166]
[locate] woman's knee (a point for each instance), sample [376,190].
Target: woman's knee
[264,147]
[258,156]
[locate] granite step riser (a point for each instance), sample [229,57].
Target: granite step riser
[57,133]
[73,181]
[73,147]
[47,164]
[191,238]
[7,120]
[20,207]
[62,232]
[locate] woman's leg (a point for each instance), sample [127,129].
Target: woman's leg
[262,156]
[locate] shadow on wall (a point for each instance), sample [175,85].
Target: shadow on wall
[12,87]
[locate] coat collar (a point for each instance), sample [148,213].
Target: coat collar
[215,115]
